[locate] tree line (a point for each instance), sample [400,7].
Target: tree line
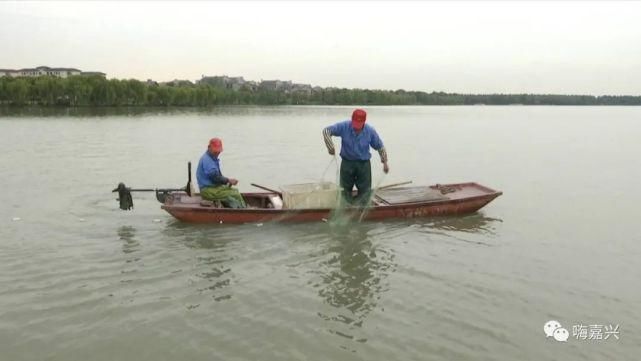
[96,91]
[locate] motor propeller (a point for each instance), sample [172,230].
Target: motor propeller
[126,200]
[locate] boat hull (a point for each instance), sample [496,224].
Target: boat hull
[464,198]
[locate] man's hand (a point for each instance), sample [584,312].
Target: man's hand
[385,168]
[233,181]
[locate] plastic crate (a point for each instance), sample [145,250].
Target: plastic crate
[310,195]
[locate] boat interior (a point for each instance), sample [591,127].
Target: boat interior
[382,197]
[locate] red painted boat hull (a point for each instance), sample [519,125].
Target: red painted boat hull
[465,198]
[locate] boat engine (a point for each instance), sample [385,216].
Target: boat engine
[124,197]
[162,194]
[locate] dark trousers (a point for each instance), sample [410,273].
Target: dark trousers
[356,173]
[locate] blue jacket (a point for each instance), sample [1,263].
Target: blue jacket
[356,146]
[208,173]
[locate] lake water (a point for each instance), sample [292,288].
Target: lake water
[82,280]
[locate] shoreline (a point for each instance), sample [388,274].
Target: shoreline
[99,111]
[96,91]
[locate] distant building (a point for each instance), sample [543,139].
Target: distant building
[239,83]
[178,82]
[46,71]
[251,85]
[276,85]
[302,89]
[225,82]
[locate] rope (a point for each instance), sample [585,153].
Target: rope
[371,197]
[333,160]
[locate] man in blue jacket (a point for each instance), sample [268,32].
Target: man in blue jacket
[356,170]
[213,185]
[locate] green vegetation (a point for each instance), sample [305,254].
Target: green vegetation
[82,91]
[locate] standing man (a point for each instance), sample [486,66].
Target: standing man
[213,185]
[356,170]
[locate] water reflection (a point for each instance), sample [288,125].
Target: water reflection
[90,111]
[130,247]
[353,278]
[213,274]
[229,110]
[130,244]
[474,229]
[474,223]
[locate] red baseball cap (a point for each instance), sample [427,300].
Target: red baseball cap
[358,119]
[216,145]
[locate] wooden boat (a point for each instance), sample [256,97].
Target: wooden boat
[400,202]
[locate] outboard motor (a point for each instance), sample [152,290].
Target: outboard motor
[127,202]
[124,197]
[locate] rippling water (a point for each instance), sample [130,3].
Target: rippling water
[82,280]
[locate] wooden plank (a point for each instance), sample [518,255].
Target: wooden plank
[409,195]
[380,200]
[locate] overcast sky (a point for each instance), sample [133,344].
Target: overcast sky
[574,47]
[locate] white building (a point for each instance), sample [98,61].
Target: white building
[46,71]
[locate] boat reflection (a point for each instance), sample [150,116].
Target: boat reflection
[473,223]
[475,229]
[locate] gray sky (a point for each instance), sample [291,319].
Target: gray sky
[586,47]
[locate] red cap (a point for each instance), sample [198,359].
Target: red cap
[358,119]
[216,145]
